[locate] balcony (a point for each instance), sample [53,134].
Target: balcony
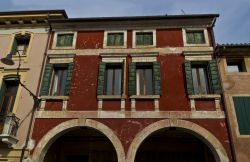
[8,128]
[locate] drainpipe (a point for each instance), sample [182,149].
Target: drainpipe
[31,124]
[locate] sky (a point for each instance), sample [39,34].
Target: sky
[233,25]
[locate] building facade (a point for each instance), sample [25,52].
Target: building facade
[25,33]
[234,68]
[126,89]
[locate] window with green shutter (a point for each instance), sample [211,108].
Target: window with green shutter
[242,110]
[202,77]
[115,39]
[20,44]
[57,79]
[144,38]
[110,79]
[64,40]
[144,78]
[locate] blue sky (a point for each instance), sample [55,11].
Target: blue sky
[233,25]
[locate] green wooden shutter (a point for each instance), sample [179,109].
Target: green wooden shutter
[189,78]
[46,80]
[68,79]
[14,47]
[242,105]
[122,82]
[214,77]
[101,78]
[157,78]
[132,79]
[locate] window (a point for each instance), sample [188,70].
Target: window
[56,79]
[8,95]
[110,79]
[20,44]
[59,80]
[236,65]
[195,37]
[202,77]
[144,38]
[241,105]
[115,39]
[144,78]
[64,40]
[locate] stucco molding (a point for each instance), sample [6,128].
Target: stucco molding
[48,139]
[198,131]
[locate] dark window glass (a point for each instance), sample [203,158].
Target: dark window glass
[8,95]
[64,40]
[144,38]
[21,44]
[236,65]
[115,39]
[144,79]
[113,80]
[59,81]
[195,37]
[200,79]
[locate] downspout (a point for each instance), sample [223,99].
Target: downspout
[31,124]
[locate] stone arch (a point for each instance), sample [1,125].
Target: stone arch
[49,138]
[200,132]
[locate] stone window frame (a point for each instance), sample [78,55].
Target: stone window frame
[184,36]
[234,120]
[247,66]
[202,56]
[115,58]
[105,39]
[142,46]
[64,32]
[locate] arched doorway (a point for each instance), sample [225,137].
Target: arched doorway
[81,144]
[219,152]
[62,129]
[173,145]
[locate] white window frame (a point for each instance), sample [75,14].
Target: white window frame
[69,47]
[105,39]
[142,31]
[184,35]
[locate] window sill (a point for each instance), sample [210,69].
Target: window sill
[114,47]
[54,97]
[237,73]
[146,46]
[197,45]
[63,48]
[205,96]
[111,97]
[145,96]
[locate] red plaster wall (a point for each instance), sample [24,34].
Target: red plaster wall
[169,38]
[53,105]
[145,105]
[89,39]
[174,96]
[111,105]
[84,84]
[204,105]
[129,38]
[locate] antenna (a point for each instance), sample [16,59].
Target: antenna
[183,12]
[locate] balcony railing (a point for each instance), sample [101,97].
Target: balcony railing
[8,127]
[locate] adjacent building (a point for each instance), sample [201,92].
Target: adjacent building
[234,65]
[23,33]
[125,89]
